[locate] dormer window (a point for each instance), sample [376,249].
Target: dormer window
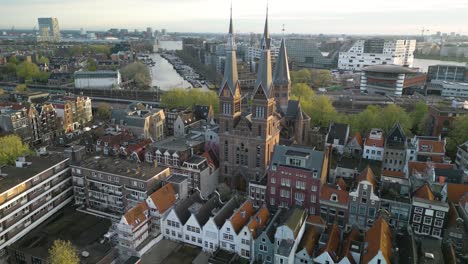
[334,197]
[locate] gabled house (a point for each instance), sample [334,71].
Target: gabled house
[351,250]
[354,146]
[337,137]
[305,250]
[364,202]
[329,246]
[429,149]
[428,216]
[133,229]
[248,234]
[374,145]
[200,214]
[334,205]
[395,150]
[159,203]
[456,231]
[173,223]
[136,151]
[378,247]
[229,232]
[288,236]
[265,242]
[211,229]
[110,144]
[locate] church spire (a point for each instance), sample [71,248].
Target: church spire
[281,73]
[264,74]
[266,40]
[230,77]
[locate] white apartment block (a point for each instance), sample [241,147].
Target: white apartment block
[377,51]
[30,193]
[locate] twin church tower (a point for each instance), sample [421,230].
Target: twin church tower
[246,140]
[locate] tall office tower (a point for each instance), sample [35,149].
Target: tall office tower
[48,29]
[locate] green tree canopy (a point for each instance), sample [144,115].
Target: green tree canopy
[21,88]
[458,135]
[27,70]
[321,111]
[63,252]
[13,60]
[418,116]
[302,91]
[189,98]
[91,64]
[12,148]
[302,76]
[138,72]
[43,59]
[104,111]
[321,78]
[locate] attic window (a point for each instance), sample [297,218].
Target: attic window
[334,197]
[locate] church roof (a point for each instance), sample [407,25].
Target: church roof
[281,74]
[264,74]
[230,77]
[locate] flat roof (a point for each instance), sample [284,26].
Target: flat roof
[179,143]
[176,178]
[122,167]
[85,236]
[12,176]
[389,68]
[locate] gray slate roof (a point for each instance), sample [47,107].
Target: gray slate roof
[227,210]
[314,157]
[281,74]
[182,208]
[206,210]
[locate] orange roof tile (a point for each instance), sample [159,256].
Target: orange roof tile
[452,215]
[341,184]
[424,192]
[137,215]
[352,236]
[138,146]
[333,241]
[358,138]
[434,146]
[242,215]
[164,197]
[367,175]
[378,238]
[455,192]
[396,174]
[309,240]
[258,221]
[423,167]
[327,191]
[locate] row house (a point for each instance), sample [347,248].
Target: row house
[133,229]
[364,202]
[428,215]
[173,225]
[136,151]
[425,170]
[43,123]
[110,144]
[295,177]
[15,121]
[337,137]
[334,204]
[108,186]
[264,244]
[186,115]
[75,112]
[395,150]
[31,191]
[395,199]
[288,236]
[329,245]
[462,157]
[159,203]
[212,228]
[200,214]
[249,233]
[230,231]
[378,244]
[202,173]
[374,145]
[354,146]
[305,250]
[429,149]
[351,250]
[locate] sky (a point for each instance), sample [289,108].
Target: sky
[396,17]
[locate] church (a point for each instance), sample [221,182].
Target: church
[247,139]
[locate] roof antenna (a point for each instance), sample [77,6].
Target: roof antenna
[283,30]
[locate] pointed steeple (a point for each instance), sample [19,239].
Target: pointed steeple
[230,77]
[281,75]
[266,40]
[264,74]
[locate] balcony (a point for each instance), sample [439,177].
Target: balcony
[134,198]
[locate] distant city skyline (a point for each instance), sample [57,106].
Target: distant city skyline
[397,17]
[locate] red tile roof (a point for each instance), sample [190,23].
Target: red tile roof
[327,191]
[309,240]
[358,138]
[242,215]
[434,146]
[455,192]
[422,167]
[396,174]
[164,197]
[341,184]
[115,140]
[138,147]
[258,221]
[424,192]
[333,241]
[316,219]
[378,238]
[367,175]
[375,142]
[352,236]
[137,215]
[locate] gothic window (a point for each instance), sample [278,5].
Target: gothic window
[226,146]
[259,130]
[257,161]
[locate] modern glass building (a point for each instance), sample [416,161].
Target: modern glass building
[48,29]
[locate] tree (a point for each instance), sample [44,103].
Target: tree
[21,88]
[27,70]
[91,65]
[63,252]
[12,148]
[302,76]
[43,59]
[321,111]
[302,91]
[104,111]
[320,78]
[392,114]
[418,116]
[189,98]
[138,72]
[13,60]
[458,135]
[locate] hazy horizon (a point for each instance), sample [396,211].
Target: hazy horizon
[399,17]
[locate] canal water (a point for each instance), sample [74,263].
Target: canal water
[165,76]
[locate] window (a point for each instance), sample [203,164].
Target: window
[263,248]
[418,210]
[438,222]
[440,214]
[273,180]
[313,199]
[300,185]
[353,209]
[425,229]
[272,201]
[272,190]
[372,212]
[362,210]
[334,197]
[416,228]
[436,232]
[417,218]
[314,188]
[427,220]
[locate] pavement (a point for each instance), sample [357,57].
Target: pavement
[171,252]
